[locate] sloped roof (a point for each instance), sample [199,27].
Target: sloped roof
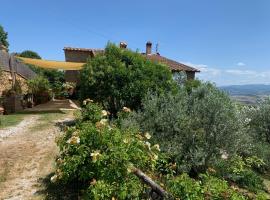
[94,51]
[173,65]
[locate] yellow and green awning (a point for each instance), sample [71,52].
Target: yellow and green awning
[50,64]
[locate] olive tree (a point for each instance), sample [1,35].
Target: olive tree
[260,121]
[196,128]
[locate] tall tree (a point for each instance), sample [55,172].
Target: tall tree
[122,78]
[30,54]
[3,37]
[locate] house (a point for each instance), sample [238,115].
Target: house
[81,54]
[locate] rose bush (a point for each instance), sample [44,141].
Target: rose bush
[101,157]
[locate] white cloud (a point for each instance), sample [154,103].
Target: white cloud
[231,76]
[205,69]
[240,72]
[241,64]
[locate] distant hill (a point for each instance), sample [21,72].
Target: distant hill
[248,94]
[256,89]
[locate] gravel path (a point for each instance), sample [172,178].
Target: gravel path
[28,151]
[7,132]
[27,156]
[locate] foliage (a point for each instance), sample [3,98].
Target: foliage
[55,77]
[185,188]
[192,84]
[215,128]
[56,80]
[239,170]
[98,153]
[180,78]
[195,129]
[101,157]
[38,85]
[122,78]
[91,112]
[29,54]
[256,121]
[3,37]
[165,166]
[40,88]
[209,187]
[260,121]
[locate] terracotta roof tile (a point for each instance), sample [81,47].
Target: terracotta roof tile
[173,65]
[82,49]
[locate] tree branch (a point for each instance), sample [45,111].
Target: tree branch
[155,187]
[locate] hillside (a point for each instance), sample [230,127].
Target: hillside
[248,94]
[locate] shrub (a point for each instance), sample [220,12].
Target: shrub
[260,120]
[101,157]
[91,112]
[40,88]
[215,126]
[196,129]
[185,188]
[29,54]
[55,77]
[215,188]
[208,187]
[192,84]
[122,78]
[256,120]
[240,171]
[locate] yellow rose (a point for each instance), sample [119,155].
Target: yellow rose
[104,113]
[147,136]
[156,146]
[95,155]
[126,109]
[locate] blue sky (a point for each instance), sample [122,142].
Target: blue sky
[229,40]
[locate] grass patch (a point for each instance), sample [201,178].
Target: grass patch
[47,118]
[10,120]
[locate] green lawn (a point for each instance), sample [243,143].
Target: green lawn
[10,120]
[47,118]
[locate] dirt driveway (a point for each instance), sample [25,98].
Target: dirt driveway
[27,151]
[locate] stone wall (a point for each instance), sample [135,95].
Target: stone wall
[6,82]
[75,56]
[13,104]
[23,83]
[190,75]
[16,65]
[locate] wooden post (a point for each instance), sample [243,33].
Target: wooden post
[12,72]
[155,187]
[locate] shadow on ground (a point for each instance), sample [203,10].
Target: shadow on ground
[41,112]
[53,191]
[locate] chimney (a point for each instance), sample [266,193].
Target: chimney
[123,45]
[148,48]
